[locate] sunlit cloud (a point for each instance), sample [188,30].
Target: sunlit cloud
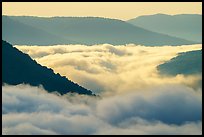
[134,97]
[107,69]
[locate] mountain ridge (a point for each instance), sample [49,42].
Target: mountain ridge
[186,26]
[185,63]
[97,30]
[18,67]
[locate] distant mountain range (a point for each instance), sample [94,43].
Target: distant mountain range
[185,26]
[20,33]
[18,68]
[185,63]
[80,30]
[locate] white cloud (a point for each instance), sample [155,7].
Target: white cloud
[135,99]
[108,68]
[169,104]
[31,110]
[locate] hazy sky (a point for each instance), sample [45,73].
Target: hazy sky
[118,10]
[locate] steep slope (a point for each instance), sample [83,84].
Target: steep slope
[94,30]
[185,63]
[19,33]
[186,26]
[18,67]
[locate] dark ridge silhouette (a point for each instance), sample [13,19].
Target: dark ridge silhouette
[18,68]
[186,26]
[185,63]
[89,31]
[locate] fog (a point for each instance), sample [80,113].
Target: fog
[134,97]
[106,69]
[31,110]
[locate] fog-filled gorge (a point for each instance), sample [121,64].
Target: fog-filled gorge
[94,71]
[134,98]
[108,69]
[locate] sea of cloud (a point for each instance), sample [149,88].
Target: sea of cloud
[134,97]
[106,69]
[169,109]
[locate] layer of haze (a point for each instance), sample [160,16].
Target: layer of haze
[117,10]
[107,69]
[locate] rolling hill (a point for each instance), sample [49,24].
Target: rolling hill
[185,26]
[19,33]
[85,30]
[185,63]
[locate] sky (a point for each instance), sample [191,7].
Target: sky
[117,10]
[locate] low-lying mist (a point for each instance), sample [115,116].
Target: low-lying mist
[169,109]
[134,97]
[106,69]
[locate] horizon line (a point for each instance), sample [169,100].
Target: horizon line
[99,16]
